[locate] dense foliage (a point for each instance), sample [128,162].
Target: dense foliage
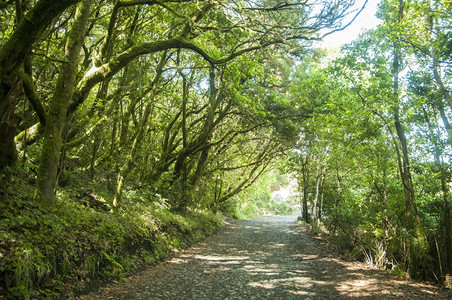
[61,250]
[129,123]
[126,125]
[373,160]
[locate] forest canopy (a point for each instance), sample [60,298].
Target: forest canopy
[181,106]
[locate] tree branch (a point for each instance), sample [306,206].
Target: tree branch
[33,97]
[349,23]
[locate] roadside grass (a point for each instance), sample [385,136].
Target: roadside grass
[62,250]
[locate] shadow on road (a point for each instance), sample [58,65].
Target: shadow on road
[267,258]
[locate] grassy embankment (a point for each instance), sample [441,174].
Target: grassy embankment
[52,252]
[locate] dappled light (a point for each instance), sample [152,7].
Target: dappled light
[131,130]
[267,258]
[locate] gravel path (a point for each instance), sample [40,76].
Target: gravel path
[268,258]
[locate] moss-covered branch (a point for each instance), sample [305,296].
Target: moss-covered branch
[33,97]
[50,153]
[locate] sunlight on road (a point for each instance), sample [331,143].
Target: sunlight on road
[272,257]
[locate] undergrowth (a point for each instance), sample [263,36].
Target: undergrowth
[59,251]
[358,245]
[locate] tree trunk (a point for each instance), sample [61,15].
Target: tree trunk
[12,56]
[206,132]
[318,184]
[304,171]
[417,240]
[436,69]
[56,119]
[445,227]
[322,194]
[181,167]
[8,125]
[446,222]
[317,190]
[200,167]
[444,184]
[125,171]
[97,139]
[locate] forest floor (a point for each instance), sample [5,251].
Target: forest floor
[267,258]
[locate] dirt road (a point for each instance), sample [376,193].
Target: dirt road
[268,258]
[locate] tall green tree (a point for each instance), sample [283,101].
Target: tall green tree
[47,174]
[12,56]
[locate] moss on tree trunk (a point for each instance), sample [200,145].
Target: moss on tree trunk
[56,119]
[12,56]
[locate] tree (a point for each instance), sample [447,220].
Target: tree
[47,174]
[417,241]
[12,56]
[210,19]
[384,135]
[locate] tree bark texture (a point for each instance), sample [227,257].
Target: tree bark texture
[12,56]
[127,168]
[56,119]
[304,171]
